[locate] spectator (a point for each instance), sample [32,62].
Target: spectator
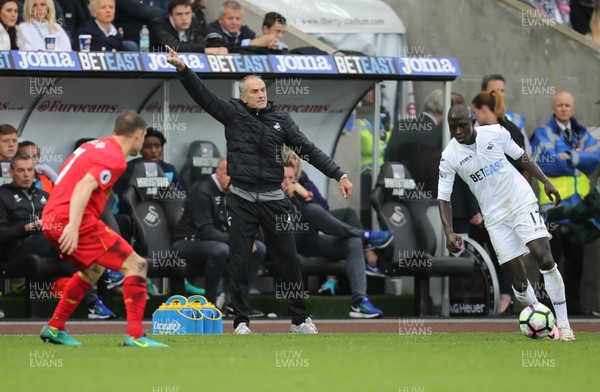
[230,32]
[338,241]
[558,10]
[496,82]
[40,22]
[9,13]
[180,30]
[21,205]
[198,8]
[76,13]
[8,148]
[202,237]
[567,153]
[275,25]
[131,15]
[105,36]
[581,14]
[44,174]
[594,32]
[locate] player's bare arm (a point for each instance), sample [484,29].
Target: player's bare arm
[453,240]
[528,163]
[81,196]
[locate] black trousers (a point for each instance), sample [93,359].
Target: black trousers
[564,243]
[246,217]
[37,244]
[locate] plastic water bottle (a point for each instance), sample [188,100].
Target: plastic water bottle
[144,39]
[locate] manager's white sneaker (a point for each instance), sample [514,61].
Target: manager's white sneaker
[306,327]
[242,329]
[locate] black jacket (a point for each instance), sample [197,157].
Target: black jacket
[215,36]
[163,33]
[17,208]
[100,42]
[205,214]
[255,139]
[131,15]
[517,137]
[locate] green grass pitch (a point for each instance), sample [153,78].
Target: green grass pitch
[326,362]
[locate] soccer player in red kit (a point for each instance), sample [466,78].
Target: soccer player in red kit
[71,223]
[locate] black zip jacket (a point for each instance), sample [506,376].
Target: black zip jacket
[17,208]
[255,139]
[163,33]
[205,214]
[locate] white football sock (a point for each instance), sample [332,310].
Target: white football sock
[555,288]
[527,297]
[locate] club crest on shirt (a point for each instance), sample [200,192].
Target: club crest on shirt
[277,127]
[490,146]
[17,198]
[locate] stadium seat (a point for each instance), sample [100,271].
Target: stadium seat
[202,159]
[155,210]
[400,209]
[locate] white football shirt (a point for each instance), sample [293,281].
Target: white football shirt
[498,187]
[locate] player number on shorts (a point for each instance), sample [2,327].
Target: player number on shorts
[76,154]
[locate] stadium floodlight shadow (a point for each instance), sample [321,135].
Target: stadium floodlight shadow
[402,208]
[155,209]
[201,161]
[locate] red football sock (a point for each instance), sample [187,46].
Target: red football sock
[71,297]
[134,295]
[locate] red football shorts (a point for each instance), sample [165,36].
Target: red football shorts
[97,243]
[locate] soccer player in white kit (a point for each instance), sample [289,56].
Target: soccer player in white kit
[508,205]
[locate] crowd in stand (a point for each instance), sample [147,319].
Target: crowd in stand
[181,24]
[117,25]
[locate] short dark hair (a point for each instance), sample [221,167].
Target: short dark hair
[26,143]
[7,129]
[19,157]
[151,132]
[128,123]
[174,3]
[487,78]
[272,18]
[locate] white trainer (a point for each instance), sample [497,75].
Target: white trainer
[306,327]
[242,329]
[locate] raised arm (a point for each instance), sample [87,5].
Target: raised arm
[222,110]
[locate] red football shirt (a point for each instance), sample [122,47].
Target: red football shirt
[103,159]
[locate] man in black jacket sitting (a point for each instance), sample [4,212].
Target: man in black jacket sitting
[21,205]
[180,29]
[202,237]
[229,31]
[256,132]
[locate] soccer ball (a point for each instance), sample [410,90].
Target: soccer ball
[536,321]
